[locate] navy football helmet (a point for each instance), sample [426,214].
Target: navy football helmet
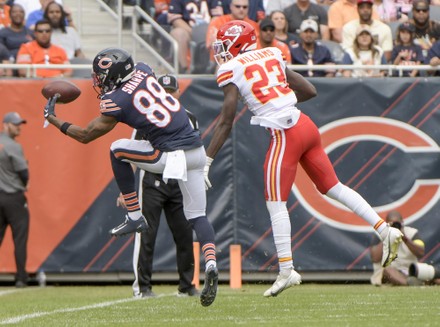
[111,67]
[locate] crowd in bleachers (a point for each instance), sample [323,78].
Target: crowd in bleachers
[38,32]
[316,32]
[309,32]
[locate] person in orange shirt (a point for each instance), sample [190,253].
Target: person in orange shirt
[5,21]
[41,51]
[340,13]
[239,11]
[267,39]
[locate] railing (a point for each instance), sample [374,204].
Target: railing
[388,68]
[31,68]
[136,13]
[174,68]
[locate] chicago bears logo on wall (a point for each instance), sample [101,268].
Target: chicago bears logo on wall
[421,197]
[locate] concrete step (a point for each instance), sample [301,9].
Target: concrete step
[98,30]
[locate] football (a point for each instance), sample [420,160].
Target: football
[67,91]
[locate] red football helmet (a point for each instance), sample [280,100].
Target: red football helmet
[233,38]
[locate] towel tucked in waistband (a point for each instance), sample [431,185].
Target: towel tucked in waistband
[175,166]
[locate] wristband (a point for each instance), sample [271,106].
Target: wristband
[64,127]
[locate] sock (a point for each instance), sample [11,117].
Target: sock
[125,179]
[205,236]
[382,229]
[281,230]
[132,203]
[208,251]
[354,201]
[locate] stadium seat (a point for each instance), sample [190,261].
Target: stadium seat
[83,72]
[200,63]
[394,25]
[434,12]
[335,49]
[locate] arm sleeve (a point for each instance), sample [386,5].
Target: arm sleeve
[24,176]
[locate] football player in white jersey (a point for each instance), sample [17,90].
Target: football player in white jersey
[271,91]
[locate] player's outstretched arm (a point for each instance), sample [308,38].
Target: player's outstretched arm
[96,128]
[225,121]
[304,90]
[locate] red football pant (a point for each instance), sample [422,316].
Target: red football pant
[299,144]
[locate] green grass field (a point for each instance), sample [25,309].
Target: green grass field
[304,305]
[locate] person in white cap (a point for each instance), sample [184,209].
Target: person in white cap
[363,51]
[14,176]
[310,52]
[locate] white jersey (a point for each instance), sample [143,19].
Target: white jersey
[261,79]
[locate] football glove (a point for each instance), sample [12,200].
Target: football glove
[206,172]
[49,108]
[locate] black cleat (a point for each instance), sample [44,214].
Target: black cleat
[130,226]
[210,288]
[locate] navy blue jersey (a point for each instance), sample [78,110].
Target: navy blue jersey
[321,55]
[144,105]
[194,12]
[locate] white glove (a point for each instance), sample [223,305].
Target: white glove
[206,172]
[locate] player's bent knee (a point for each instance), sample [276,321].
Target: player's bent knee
[119,144]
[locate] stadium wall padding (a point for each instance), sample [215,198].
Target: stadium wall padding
[382,137]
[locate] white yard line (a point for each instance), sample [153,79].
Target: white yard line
[16,290]
[22,318]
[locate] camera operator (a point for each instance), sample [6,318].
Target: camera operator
[410,251]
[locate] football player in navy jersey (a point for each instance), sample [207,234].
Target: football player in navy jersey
[130,94]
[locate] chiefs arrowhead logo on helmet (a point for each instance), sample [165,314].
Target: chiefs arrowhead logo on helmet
[234,38]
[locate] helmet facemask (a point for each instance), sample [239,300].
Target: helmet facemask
[221,55]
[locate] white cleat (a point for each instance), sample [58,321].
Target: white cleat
[391,246]
[284,281]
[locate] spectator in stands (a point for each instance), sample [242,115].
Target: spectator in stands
[310,52]
[387,10]
[41,51]
[433,58]
[17,33]
[304,9]
[63,36]
[239,11]
[405,51]
[4,14]
[4,59]
[161,11]
[363,52]
[339,14]
[267,38]
[403,8]
[381,32]
[31,5]
[411,249]
[182,16]
[255,12]
[281,26]
[38,14]
[280,5]
[427,31]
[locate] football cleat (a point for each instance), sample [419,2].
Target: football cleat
[210,288]
[391,245]
[284,281]
[130,226]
